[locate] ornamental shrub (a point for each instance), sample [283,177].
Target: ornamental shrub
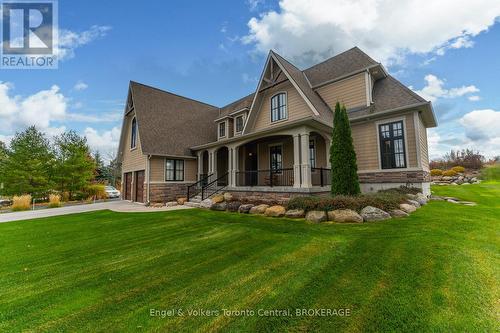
[436,172]
[449,173]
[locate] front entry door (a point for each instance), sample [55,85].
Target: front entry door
[251,165]
[139,186]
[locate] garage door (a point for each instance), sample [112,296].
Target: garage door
[139,186]
[128,186]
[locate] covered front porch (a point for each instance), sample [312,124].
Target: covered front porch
[295,160]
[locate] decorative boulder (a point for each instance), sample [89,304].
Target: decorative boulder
[221,206]
[316,216]
[411,196]
[157,205]
[407,208]
[399,213]
[275,211]
[171,204]
[295,213]
[207,203]
[421,199]
[181,201]
[370,214]
[259,209]
[414,203]
[218,198]
[245,209]
[233,206]
[228,196]
[344,215]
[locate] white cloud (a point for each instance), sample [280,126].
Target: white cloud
[481,124]
[254,4]
[310,31]
[69,40]
[474,98]
[80,85]
[434,89]
[106,142]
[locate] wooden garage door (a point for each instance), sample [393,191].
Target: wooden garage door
[128,186]
[139,186]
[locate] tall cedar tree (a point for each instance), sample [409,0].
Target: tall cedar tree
[342,156]
[28,166]
[3,160]
[74,164]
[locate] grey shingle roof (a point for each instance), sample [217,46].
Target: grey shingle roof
[169,124]
[240,104]
[342,64]
[389,93]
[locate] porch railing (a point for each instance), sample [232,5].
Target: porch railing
[196,188]
[321,177]
[272,177]
[215,186]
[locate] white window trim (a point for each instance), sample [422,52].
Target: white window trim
[165,172]
[276,144]
[405,134]
[225,122]
[271,107]
[315,151]
[235,118]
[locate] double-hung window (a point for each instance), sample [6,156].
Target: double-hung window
[278,107]
[174,170]
[222,130]
[133,134]
[239,124]
[276,158]
[392,146]
[312,153]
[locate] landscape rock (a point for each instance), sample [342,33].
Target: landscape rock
[171,204]
[181,201]
[259,209]
[207,203]
[233,206]
[411,196]
[295,213]
[452,201]
[218,198]
[275,211]
[414,203]
[221,206]
[344,215]
[467,203]
[407,208]
[436,198]
[399,213]
[228,196]
[421,199]
[245,209]
[316,216]
[157,205]
[370,214]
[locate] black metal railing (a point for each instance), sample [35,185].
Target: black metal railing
[272,177]
[321,176]
[215,186]
[195,189]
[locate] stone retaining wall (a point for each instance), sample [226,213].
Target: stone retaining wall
[271,197]
[395,177]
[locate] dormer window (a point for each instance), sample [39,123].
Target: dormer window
[222,130]
[278,107]
[133,134]
[239,124]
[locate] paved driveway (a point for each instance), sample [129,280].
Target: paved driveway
[117,206]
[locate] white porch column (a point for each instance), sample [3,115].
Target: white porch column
[200,164]
[305,166]
[296,160]
[235,164]
[327,146]
[214,163]
[230,166]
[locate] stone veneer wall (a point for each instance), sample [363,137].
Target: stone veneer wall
[395,177]
[271,197]
[166,192]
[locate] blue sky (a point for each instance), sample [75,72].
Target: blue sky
[214,51]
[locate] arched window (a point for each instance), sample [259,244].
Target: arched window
[133,136]
[278,107]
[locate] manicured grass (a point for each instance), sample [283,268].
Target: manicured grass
[437,270]
[491,172]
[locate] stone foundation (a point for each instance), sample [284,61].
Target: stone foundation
[395,177]
[272,197]
[166,192]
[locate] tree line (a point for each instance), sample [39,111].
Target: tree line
[33,164]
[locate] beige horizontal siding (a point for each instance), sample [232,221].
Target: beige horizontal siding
[296,106]
[157,169]
[350,91]
[365,139]
[134,159]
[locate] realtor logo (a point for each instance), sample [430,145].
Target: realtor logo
[29,31]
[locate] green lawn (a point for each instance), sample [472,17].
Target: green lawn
[437,270]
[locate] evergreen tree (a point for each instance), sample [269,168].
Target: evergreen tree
[342,155]
[28,166]
[75,166]
[3,160]
[101,171]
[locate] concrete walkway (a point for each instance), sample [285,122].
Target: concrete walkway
[116,206]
